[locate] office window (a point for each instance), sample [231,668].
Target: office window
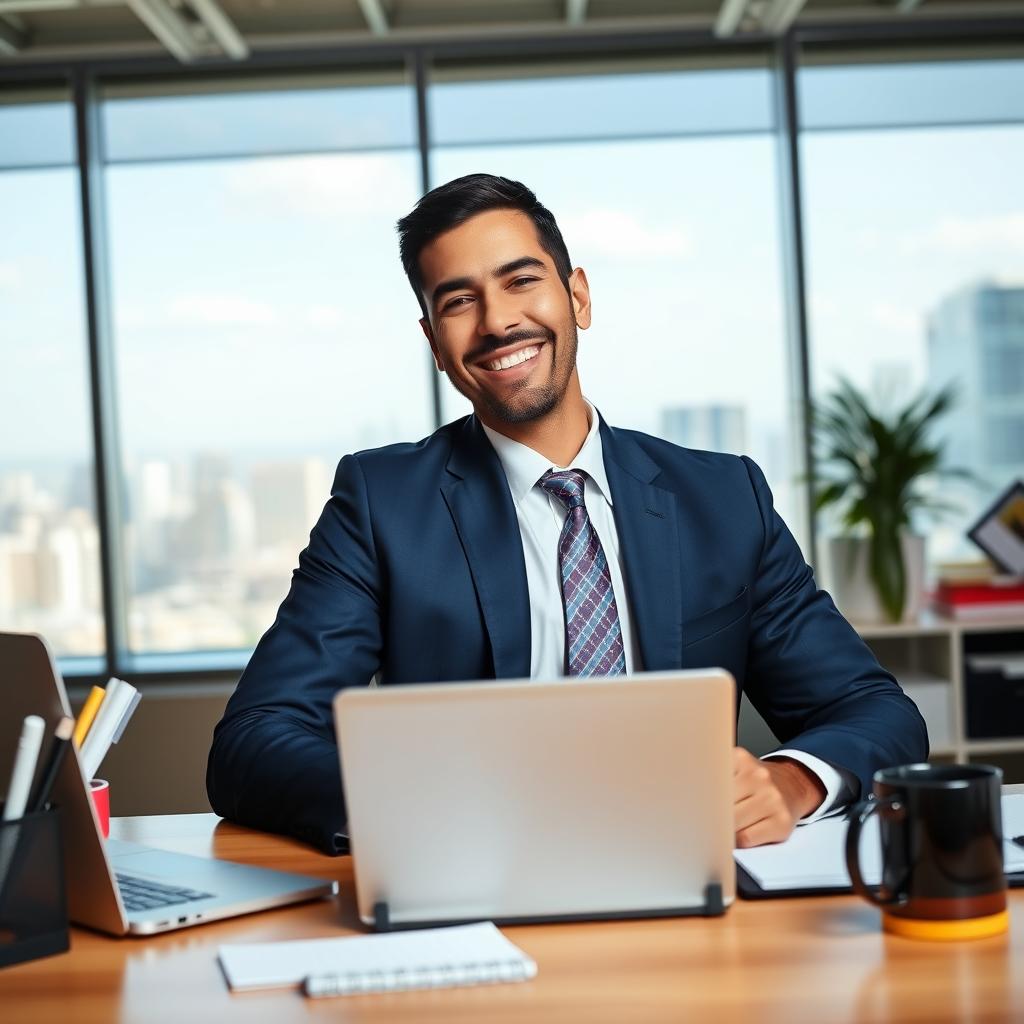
[263,329]
[915,251]
[664,184]
[49,542]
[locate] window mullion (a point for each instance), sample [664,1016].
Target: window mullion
[106,446]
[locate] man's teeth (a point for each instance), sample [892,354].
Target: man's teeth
[515,359]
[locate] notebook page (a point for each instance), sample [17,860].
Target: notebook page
[271,964]
[1013,825]
[815,855]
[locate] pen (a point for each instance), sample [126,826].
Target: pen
[115,707]
[61,736]
[87,714]
[100,724]
[24,767]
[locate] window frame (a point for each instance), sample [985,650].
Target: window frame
[85,79]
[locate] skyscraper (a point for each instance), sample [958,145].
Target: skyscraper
[718,428]
[976,342]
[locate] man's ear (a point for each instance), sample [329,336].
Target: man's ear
[428,332]
[579,292]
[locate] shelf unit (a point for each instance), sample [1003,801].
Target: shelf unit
[928,658]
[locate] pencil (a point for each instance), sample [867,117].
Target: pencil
[88,713]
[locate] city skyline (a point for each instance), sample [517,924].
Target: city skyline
[211,536]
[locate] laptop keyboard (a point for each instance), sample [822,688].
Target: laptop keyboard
[145,894]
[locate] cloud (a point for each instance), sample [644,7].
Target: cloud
[325,318]
[899,319]
[956,235]
[128,317]
[609,232]
[325,186]
[972,233]
[10,276]
[224,310]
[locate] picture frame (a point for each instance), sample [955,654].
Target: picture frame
[999,532]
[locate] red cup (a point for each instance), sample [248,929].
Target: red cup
[100,790]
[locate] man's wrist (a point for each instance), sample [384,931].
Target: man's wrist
[802,790]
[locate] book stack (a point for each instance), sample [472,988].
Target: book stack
[975,592]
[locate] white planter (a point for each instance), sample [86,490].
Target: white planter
[850,583]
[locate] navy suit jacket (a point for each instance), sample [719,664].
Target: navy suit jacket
[415,571]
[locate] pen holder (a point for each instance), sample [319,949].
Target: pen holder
[33,902]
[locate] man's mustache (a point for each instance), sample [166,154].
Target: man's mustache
[491,343]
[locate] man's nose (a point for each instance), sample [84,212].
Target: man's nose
[499,314]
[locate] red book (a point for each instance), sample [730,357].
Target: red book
[976,593]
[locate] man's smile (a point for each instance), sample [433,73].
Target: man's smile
[512,363]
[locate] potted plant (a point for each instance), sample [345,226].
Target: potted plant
[872,469]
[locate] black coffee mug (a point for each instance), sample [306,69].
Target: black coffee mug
[942,850]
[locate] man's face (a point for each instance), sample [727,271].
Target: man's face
[500,322]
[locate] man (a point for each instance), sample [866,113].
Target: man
[532,539]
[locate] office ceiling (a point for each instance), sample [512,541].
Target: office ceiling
[193,30]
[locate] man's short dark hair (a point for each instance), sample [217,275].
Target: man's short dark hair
[449,205]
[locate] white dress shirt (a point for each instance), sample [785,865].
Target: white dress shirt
[541,518]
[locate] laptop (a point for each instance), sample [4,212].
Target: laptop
[121,887]
[540,801]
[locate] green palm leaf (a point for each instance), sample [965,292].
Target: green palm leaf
[873,468]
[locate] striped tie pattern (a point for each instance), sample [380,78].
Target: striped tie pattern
[592,632]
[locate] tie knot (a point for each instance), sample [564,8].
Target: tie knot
[566,486]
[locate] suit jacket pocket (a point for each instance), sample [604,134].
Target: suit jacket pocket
[714,621]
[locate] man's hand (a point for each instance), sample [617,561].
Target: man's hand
[771,797]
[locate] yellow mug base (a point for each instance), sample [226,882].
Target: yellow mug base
[947,931]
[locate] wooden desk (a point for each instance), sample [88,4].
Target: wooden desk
[820,960]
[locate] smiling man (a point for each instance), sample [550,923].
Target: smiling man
[533,539]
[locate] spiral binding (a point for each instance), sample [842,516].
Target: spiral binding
[488,972]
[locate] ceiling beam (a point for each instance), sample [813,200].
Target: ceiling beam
[730,14]
[575,11]
[373,12]
[906,6]
[12,40]
[168,26]
[221,27]
[780,14]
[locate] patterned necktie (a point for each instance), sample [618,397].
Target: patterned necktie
[592,632]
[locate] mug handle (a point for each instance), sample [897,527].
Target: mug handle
[886,807]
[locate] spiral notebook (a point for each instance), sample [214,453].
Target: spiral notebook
[473,954]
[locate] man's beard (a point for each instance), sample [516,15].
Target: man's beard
[537,401]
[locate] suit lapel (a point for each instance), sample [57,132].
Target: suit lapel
[478,498]
[646,518]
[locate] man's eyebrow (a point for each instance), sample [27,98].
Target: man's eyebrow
[456,284]
[520,264]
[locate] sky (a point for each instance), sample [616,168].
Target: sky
[259,303]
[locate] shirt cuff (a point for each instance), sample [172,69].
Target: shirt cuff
[839,789]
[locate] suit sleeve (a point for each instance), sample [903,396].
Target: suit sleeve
[812,678]
[274,764]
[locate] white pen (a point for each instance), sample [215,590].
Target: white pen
[24,767]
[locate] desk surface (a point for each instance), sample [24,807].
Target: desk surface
[808,959]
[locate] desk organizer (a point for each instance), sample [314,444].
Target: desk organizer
[33,901]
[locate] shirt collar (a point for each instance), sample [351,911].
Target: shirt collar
[524,466]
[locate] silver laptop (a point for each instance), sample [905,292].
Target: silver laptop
[527,801]
[115,886]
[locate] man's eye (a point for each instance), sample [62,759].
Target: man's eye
[523,280]
[459,300]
